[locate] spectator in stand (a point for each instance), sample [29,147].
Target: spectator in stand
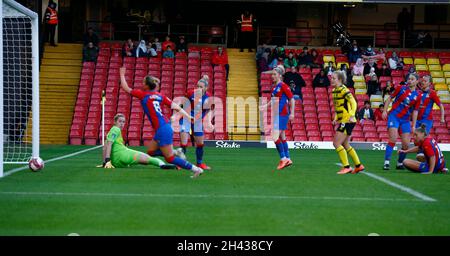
[290,61]
[157,45]
[141,50]
[378,113]
[294,80]
[279,52]
[276,62]
[350,83]
[151,52]
[369,65]
[168,43]
[401,64]
[358,69]
[221,58]
[366,113]
[305,59]
[90,53]
[369,52]
[89,37]
[51,21]
[128,48]
[260,51]
[317,59]
[168,53]
[412,70]
[329,69]
[394,61]
[321,80]
[355,53]
[373,86]
[182,45]
[387,90]
[263,62]
[384,71]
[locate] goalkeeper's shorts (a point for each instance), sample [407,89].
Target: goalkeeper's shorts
[125,158]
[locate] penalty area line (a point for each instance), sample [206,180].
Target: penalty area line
[403,188]
[51,160]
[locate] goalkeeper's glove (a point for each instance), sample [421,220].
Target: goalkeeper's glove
[106,164]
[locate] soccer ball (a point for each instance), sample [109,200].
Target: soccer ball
[179,153]
[36,164]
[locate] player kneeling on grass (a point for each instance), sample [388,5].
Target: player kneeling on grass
[115,154]
[345,107]
[432,162]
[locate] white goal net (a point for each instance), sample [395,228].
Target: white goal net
[19,82]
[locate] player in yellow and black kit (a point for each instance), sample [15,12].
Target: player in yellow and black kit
[345,107]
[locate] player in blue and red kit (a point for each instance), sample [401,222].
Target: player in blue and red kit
[152,101]
[199,106]
[405,99]
[282,115]
[433,162]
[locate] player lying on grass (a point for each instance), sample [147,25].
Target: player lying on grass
[152,101]
[345,107]
[199,109]
[432,162]
[116,154]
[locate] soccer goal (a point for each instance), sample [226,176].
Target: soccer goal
[19,84]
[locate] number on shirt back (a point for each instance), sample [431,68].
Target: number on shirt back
[157,107]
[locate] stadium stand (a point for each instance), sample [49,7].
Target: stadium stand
[176,75]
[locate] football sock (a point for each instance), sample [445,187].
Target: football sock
[286,149]
[389,149]
[199,153]
[179,162]
[343,156]
[401,157]
[183,148]
[352,153]
[155,153]
[280,149]
[155,161]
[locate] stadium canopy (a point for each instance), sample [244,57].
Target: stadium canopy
[349,1]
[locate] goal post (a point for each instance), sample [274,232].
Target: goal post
[19,84]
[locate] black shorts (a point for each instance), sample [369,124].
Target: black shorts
[346,128]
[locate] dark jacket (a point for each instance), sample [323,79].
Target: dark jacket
[296,78]
[361,114]
[367,68]
[321,81]
[90,54]
[90,38]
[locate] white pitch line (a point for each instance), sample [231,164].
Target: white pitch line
[143,195]
[398,186]
[50,160]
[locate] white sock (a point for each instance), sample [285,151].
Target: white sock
[386,162]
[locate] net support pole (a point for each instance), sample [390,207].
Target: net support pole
[1,91]
[35,81]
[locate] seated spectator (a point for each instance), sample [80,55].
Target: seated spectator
[90,37]
[384,71]
[400,64]
[90,53]
[355,53]
[276,62]
[221,58]
[350,83]
[317,59]
[321,80]
[366,113]
[168,53]
[369,52]
[412,70]
[305,59]
[141,50]
[373,86]
[279,52]
[387,90]
[393,61]
[157,45]
[294,80]
[168,43]
[358,69]
[182,45]
[128,48]
[329,69]
[369,65]
[263,62]
[290,61]
[151,52]
[260,51]
[378,113]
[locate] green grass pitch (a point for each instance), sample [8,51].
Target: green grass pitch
[243,195]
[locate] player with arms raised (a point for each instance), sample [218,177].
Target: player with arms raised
[116,154]
[433,162]
[345,107]
[151,101]
[199,109]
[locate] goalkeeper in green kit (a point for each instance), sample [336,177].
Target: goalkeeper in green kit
[116,154]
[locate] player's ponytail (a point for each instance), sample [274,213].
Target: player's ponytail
[151,82]
[422,129]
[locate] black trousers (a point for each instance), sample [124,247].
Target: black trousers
[49,35]
[246,40]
